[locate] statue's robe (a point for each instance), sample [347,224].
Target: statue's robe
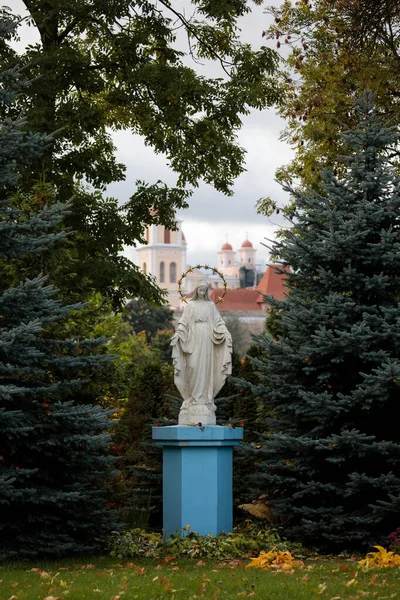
[202,354]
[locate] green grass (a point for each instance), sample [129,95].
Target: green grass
[110,579]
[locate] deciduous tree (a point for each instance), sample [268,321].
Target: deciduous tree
[334,51]
[103,66]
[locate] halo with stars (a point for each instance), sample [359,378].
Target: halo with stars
[213,269]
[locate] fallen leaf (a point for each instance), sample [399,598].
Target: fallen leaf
[41,573]
[155,578]
[373,579]
[52,598]
[321,588]
[200,563]
[275,559]
[351,582]
[382,558]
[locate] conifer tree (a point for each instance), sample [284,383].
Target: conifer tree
[54,457]
[328,389]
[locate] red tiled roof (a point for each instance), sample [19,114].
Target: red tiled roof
[247,244]
[239,299]
[226,246]
[273,284]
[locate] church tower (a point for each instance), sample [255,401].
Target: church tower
[226,260]
[164,257]
[247,255]
[247,264]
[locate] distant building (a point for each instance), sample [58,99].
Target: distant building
[164,257]
[249,303]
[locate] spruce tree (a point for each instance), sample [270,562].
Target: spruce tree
[328,389]
[54,458]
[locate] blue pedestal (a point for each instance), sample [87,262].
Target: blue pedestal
[197,477]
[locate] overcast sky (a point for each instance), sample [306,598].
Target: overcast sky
[212,217]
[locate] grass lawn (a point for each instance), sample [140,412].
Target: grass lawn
[110,579]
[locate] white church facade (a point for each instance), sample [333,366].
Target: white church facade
[164,257]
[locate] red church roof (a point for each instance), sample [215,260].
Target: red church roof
[226,246]
[239,299]
[247,244]
[273,284]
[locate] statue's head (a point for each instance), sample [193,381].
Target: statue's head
[201,290]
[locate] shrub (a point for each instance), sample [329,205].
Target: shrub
[393,541]
[247,540]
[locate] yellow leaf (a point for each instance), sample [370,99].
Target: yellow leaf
[351,582]
[274,559]
[379,559]
[321,588]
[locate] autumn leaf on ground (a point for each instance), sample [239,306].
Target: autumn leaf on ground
[275,559]
[200,563]
[43,574]
[321,588]
[373,579]
[379,559]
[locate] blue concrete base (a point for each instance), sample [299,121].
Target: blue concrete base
[197,477]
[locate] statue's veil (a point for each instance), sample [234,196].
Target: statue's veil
[200,283]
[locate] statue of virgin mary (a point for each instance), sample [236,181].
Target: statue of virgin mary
[202,357]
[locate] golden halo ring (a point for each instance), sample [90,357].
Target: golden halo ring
[213,269]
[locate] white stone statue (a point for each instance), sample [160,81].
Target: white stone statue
[202,357]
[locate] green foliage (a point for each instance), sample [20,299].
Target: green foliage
[240,335]
[335,51]
[134,543]
[247,540]
[149,402]
[328,462]
[54,447]
[142,317]
[273,322]
[100,67]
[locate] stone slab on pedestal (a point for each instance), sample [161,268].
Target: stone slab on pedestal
[197,477]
